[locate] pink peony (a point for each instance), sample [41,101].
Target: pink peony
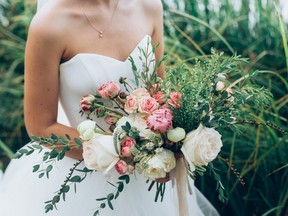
[160,120]
[175,99]
[131,104]
[148,104]
[121,167]
[109,90]
[159,97]
[86,103]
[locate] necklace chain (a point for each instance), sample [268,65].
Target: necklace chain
[106,24]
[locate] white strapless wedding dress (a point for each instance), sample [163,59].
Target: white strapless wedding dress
[23,193]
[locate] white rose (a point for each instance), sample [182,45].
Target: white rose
[99,153]
[86,129]
[176,134]
[156,168]
[201,146]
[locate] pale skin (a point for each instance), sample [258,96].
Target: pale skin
[61,31]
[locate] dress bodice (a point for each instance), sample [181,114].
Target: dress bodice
[85,72]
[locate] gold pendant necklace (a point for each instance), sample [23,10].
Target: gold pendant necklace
[93,26]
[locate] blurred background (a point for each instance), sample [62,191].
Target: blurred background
[255,29]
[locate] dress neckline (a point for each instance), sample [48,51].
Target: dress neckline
[107,57]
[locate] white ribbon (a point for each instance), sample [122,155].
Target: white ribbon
[182,185]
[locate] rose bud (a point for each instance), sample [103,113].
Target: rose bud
[122,80]
[121,167]
[176,134]
[110,120]
[175,99]
[86,103]
[122,95]
[126,152]
[160,97]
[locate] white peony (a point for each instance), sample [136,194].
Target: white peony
[155,169]
[201,146]
[86,130]
[160,164]
[99,153]
[168,159]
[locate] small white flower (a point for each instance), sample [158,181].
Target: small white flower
[86,129]
[220,86]
[176,134]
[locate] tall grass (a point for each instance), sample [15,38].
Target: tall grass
[12,43]
[260,153]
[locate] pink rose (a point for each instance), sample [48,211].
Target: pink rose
[131,104]
[109,90]
[86,103]
[140,92]
[128,142]
[175,99]
[148,104]
[121,167]
[110,120]
[126,152]
[160,120]
[159,97]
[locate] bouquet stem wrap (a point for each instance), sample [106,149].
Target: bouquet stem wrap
[181,183]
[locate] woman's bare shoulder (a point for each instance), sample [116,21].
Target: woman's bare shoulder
[153,8]
[52,20]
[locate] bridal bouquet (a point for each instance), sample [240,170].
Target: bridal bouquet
[156,124]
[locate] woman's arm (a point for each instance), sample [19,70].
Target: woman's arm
[44,49]
[156,12]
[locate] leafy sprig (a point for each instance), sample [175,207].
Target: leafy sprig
[65,187]
[107,200]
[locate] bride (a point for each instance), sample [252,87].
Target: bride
[73,47]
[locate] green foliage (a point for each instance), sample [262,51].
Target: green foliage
[12,42]
[119,188]
[259,152]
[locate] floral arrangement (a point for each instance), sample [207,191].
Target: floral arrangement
[156,124]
